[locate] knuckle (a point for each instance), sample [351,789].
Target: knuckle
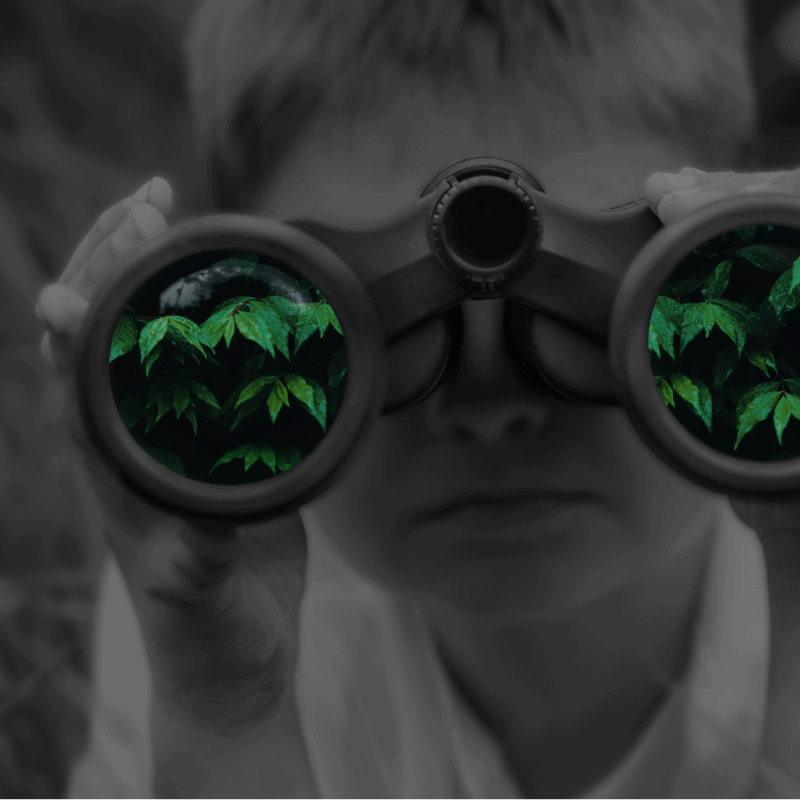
[106,219]
[125,236]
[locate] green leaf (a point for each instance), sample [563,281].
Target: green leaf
[337,365]
[254,388]
[760,356]
[726,362]
[666,391]
[221,322]
[185,334]
[788,406]
[319,407]
[167,459]
[278,397]
[151,335]
[750,394]
[795,282]
[152,358]
[250,453]
[307,325]
[132,408]
[662,331]
[181,399]
[672,308]
[745,317]
[770,322]
[125,338]
[747,234]
[273,323]
[161,389]
[288,310]
[152,418]
[225,309]
[765,257]
[730,326]
[693,322]
[204,393]
[192,417]
[245,410]
[686,286]
[779,295]
[325,315]
[288,457]
[301,390]
[251,326]
[756,410]
[696,394]
[267,455]
[716,283]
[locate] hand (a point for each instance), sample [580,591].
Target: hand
[671,196]
[218,605]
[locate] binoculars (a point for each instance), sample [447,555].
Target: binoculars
[233,365]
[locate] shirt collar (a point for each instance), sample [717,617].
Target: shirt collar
[706,740]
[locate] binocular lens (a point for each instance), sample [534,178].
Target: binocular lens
[723,342]
[228,367]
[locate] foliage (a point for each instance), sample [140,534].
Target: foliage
[740,289]
[178,373]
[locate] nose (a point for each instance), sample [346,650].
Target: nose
[484,399]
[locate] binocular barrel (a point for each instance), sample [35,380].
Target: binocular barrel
[234,365]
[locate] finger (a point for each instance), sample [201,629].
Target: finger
[61,309]
[677,204]
[143,222]
[741,181]
[156,192]
[691,171]
[660,184]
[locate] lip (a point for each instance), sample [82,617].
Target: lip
[536,502]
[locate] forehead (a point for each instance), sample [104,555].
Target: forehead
[367,169]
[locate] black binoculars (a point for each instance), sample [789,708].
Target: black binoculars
[326,327]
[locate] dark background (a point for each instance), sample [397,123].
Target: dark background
[92,104]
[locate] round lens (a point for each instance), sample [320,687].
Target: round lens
[228,367]
[723,342]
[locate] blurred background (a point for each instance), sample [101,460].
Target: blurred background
[92,104]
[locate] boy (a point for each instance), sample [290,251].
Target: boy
[506,595]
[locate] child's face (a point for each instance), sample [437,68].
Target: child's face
[485,431]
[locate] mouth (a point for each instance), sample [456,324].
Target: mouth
[535,502]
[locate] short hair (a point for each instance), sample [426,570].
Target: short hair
[261,70]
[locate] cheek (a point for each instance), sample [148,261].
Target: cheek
[355,514]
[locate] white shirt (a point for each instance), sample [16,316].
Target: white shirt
[380,719]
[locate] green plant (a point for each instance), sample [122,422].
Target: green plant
[741,289]
[272,360]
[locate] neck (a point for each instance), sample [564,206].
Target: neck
[587,682]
